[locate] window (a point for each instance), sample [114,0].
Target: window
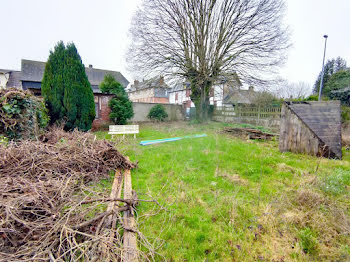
[97,111]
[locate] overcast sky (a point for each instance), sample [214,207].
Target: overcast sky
[99,29]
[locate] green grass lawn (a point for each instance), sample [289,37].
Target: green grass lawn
[228,199]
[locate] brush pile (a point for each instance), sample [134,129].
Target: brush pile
[48,207]
[249,133]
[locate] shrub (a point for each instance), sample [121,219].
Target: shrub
[22,114]
[157,113]
[121,110]
[120,105]
[312,98]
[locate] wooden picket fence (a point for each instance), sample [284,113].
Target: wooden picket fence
[255,112]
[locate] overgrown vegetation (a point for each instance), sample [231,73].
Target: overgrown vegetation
[120,104]
[229,199]
[66,89]
[158,113]
[22,115]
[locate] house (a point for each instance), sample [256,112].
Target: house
[240,96]
[154,90]
[4,76]
[228,91]
[180,94]
[9,78]
[224,92]
[312,128]
[32,72]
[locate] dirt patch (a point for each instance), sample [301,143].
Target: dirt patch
[234,178]
[308,198]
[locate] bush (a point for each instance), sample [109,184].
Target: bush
[121,110]
[157,113]
[120,105]
[22,114]
[312,98]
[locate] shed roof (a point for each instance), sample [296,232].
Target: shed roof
[33,71]
[323,119]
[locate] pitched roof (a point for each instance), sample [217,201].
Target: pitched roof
[155,82]
[323,119]
[96,76]
[239,96]
[4,71]
[181,86]
[33,71]
[14,79]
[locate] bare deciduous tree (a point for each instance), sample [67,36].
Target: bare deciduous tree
[200,40]
[291,90]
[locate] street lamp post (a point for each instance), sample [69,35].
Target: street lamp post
[322,74]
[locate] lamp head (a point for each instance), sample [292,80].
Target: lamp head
[325,36]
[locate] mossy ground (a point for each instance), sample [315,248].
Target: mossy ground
[229,199]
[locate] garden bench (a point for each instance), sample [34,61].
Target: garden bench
[123,130]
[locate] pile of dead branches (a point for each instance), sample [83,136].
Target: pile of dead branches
[249,133]
[49,209]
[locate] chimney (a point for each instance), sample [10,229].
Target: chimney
[90,66]
[136,83]
[251,88]
[161,80]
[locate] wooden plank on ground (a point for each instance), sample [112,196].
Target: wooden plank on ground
[111,220]
[130,253]
[115,193]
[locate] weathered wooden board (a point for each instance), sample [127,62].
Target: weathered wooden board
[250,133]
[130,252]
[115,193]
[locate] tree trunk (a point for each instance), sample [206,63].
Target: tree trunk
[200,98]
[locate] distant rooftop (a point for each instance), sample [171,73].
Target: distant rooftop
[33,71]
[155,82]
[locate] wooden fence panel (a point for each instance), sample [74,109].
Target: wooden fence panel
[256,112]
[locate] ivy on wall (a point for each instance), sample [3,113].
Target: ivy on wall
[22,115]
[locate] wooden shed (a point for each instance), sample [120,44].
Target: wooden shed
[312,128]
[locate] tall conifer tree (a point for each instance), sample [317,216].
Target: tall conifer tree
[66,89]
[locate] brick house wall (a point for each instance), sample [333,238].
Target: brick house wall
[102,109]
[147,96]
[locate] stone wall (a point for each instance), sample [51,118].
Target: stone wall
[141,110]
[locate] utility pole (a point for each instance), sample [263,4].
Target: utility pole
[322,74]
